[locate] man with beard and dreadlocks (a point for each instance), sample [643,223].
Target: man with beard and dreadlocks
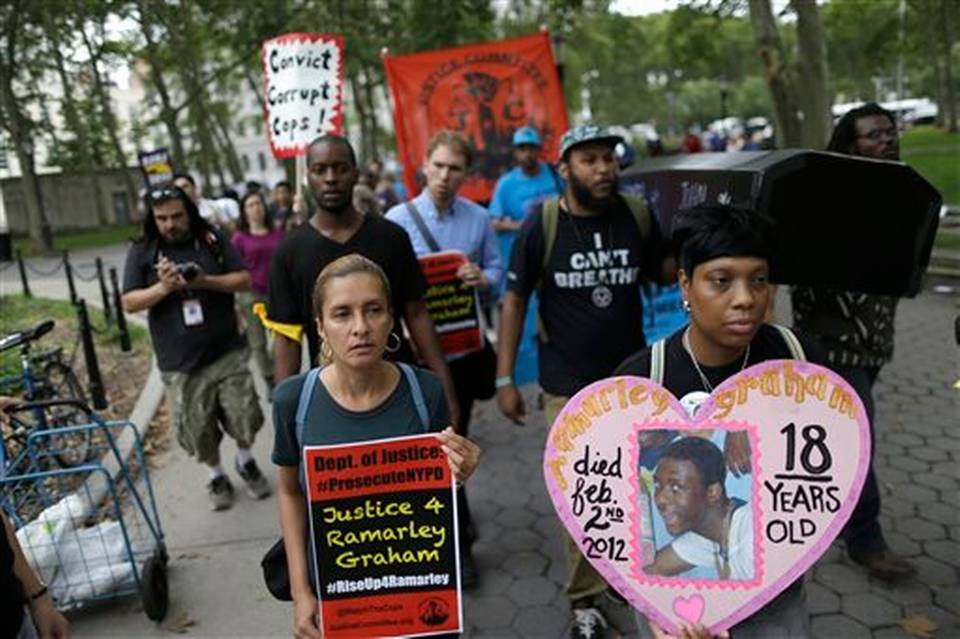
[585,253]
[336,229]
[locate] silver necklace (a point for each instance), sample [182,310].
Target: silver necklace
[703,378]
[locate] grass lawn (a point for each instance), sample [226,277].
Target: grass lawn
[19,313]
[73,240]
[935,154]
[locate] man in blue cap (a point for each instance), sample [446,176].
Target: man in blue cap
[585,253]
[528,183]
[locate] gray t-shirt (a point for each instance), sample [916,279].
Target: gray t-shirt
[330,423]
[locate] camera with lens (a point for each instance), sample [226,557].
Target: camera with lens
[188,270]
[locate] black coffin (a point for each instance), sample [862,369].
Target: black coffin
[841,221]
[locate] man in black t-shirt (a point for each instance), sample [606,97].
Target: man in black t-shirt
[591,314]
[185,273]
[336,229]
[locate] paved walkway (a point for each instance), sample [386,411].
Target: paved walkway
[215,576]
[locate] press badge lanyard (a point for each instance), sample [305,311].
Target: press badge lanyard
[190,306]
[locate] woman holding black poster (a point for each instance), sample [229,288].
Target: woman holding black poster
[723,254]
[358,396]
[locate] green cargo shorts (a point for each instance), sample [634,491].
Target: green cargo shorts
[214,399]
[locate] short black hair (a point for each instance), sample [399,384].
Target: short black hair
[184,176]
[284,184]
[331,138]
[709,231]
[845,131]
[703,454]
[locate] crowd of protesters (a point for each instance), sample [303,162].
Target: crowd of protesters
[337,265]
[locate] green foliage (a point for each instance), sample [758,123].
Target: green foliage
[934,154]
[75,240]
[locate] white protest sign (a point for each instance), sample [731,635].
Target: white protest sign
[303,79]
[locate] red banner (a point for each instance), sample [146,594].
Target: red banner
[486,91]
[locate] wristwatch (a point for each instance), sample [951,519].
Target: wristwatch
[503,381]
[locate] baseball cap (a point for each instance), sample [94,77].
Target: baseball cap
[587,133]
[526,135]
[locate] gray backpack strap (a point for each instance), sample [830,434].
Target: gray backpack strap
[422,227]
[793,344]
[306,394]
[658,360]
[417,393]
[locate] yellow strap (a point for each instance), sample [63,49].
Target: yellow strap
[293,331]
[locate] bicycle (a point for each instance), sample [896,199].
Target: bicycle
[42,378]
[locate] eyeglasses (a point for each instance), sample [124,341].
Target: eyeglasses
[164,193]
[878,134]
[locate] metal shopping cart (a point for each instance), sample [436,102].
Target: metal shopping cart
[91,531]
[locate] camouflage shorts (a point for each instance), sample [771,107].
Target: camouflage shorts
[215,399]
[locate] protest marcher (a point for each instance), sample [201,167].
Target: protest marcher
[359,396]
[335,229]
[185,273]
[365,200]
[256,240]
[520,188]
[26,609]
[723,256]
[208,208]
[281,205]
[584,253]
[439,220]
[856,329]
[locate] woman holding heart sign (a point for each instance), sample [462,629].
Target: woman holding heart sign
[723,254]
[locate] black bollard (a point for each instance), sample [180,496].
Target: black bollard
[23,275]
[107,315]
[125,345]
[90,357]
[70,284]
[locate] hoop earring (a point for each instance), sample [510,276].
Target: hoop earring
[686,305]
[326,353]
[393,349]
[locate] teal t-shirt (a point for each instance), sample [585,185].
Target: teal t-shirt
[330,423]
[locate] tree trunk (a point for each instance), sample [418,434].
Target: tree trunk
[221,135]
[368,95]
[74,121]
[782,92]
[946,35]
[168,114]
[813,76]
[360,108]
[109,120]
[37,224]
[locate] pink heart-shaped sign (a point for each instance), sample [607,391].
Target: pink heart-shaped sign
[706,519]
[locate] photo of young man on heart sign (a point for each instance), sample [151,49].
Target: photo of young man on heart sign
[699,527]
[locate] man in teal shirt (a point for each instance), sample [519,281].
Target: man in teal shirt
[528,183]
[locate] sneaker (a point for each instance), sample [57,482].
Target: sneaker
[257,486]
[588,623]
[220,491]
[468,567]
[883,563]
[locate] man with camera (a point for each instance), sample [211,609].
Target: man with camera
[185,273]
